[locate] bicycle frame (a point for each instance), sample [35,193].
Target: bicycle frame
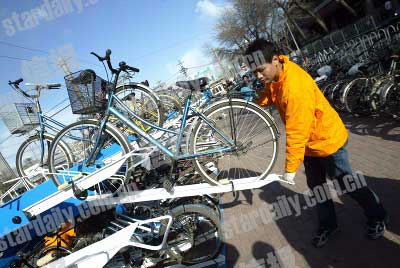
[174,155]
[45,121]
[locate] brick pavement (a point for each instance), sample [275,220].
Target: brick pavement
[374,149]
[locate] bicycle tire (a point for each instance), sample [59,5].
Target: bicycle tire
[153,96]
[390,99]
[205,212]
[172,102]
[356,104]
[19,157]
[251,109]
[109,130]
[336,94]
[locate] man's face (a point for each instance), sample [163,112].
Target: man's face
[267,72]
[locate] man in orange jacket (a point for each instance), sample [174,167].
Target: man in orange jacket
[315,135]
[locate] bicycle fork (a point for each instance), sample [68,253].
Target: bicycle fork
[100,141]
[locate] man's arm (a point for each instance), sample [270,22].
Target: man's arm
[264,98]
[299,117]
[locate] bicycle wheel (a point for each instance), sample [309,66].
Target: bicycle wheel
[328,89]
[376,96]
[390,99]
[171,105]
[256,142]
[142,101]
[354,96]
[28,157]
[336,93]
[195,234]
[81,138]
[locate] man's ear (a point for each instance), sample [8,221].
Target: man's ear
[275,59]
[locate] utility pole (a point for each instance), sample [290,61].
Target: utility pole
[220,64]
[64,66]
[183,70]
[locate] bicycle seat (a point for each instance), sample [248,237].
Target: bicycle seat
[85,77]
[195,84]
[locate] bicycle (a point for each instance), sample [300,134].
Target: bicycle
[372,94]
[224,134]
[140,236]
[41,139]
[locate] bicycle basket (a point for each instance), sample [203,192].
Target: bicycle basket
[20,117]
[86,91]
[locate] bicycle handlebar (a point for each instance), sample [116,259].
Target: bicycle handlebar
[15,86]
[122,65]
[53,86]
[16,82]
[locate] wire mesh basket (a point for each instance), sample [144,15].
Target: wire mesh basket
[86,91]
[20,117]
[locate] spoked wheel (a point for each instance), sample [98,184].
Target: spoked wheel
[327,89]
[171,105]
[391,99]
[355,96]
[252,147]
[143,102]
[195,235]
[376,96]
[336,94]
[81,138]
[29,155]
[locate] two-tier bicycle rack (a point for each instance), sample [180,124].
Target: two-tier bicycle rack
[56,196]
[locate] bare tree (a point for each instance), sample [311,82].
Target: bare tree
[307,8]
[244,22]
[347,6]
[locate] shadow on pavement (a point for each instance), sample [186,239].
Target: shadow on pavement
[232,255]
[349,247]
[384,127]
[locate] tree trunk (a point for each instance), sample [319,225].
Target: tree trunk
[313,15]
[292,21]
[347,6]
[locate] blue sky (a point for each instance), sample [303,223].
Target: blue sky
[151,35]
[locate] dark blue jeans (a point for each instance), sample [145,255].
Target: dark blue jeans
[337,166]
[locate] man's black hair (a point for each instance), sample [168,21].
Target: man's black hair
[245,76]
[267,48]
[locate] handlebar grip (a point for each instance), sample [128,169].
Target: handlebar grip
[53,86]
[97,56]
[16,82]
[133,69]
[108,53]
[125,67]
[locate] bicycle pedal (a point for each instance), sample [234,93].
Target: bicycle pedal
[77,176]
[168,185]
[63,186]
[224,181]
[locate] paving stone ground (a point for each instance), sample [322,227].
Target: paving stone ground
[374,149]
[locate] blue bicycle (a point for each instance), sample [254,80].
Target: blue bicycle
[32,155]
[231,139]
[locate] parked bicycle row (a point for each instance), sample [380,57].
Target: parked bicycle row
[364,87]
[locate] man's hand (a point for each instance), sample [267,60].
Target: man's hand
[289,178]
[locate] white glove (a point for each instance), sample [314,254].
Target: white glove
[289,178]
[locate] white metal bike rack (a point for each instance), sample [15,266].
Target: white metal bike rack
[140,157]
[101,252]
[84,182]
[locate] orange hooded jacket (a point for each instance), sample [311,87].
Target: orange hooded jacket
[313,128]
